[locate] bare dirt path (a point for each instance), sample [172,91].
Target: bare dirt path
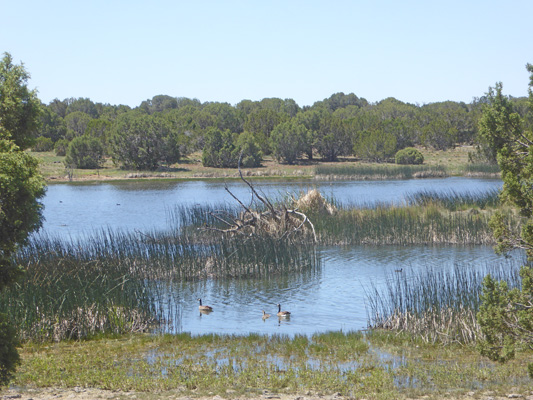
[99,394]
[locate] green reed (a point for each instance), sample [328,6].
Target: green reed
[435,305]
[481,169]
[369,171]
[117,282]
[454,201]
[386,225]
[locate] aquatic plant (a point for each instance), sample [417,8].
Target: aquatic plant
[378,172]
[454,201]
[435,305]
[116,282]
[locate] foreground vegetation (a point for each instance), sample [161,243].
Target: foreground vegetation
[379,365]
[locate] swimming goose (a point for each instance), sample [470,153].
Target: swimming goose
[283,313]
[265,315]
[204,308]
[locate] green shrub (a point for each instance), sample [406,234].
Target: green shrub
[61,147]
[409,155]
[43,144]
[85,152]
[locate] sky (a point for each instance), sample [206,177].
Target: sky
[124,52]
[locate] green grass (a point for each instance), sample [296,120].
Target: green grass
[379,365]
[379,172]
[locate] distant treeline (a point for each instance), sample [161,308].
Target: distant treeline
[162,130]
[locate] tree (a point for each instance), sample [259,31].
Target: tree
[220,150]
[251,155]
[141,141]
[289,141]
[261,123]
[76,123]
[377,145]
[85,152]
[506,316]
[332,139]
[52,125]
[19,106]
[511,137]
[21,186]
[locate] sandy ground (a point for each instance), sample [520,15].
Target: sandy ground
[89,394]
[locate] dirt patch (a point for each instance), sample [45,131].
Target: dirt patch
[90,394]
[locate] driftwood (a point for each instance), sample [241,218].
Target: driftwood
[273,221]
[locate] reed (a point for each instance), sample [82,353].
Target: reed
[454,201]
[116,282]
[378,172]
[435,305]
[491,170]
[394,225]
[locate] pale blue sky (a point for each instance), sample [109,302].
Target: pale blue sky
[124,52]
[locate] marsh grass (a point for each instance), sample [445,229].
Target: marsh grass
[116,282]
[394,225]
[378,172]
[454,201]
[435,305]
[382,366]
[490,170]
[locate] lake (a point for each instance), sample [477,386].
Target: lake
[332,297]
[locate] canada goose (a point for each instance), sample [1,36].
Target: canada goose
[204,308]
[283,313]
[398,270]
[265,315]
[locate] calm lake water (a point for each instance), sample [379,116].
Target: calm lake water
[332,297]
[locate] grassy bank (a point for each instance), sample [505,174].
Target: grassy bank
[379,366]
[437,164]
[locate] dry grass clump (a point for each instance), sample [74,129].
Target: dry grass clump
[314,202]
[448,325]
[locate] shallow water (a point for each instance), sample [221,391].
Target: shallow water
[332,297]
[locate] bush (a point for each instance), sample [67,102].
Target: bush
[61,147]
[43,144]
[410,156]
[85,152]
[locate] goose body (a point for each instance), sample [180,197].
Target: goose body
[204,308]
[398,270]
[265,315]
[283,314]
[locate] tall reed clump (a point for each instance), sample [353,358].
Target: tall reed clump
[68,294]
[378,172]
[454,201]
[482,170]
[427,218]
[435,305]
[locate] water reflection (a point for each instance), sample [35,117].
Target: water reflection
[332,297]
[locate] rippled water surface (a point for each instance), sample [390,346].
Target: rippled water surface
[71,209]
[332,297]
